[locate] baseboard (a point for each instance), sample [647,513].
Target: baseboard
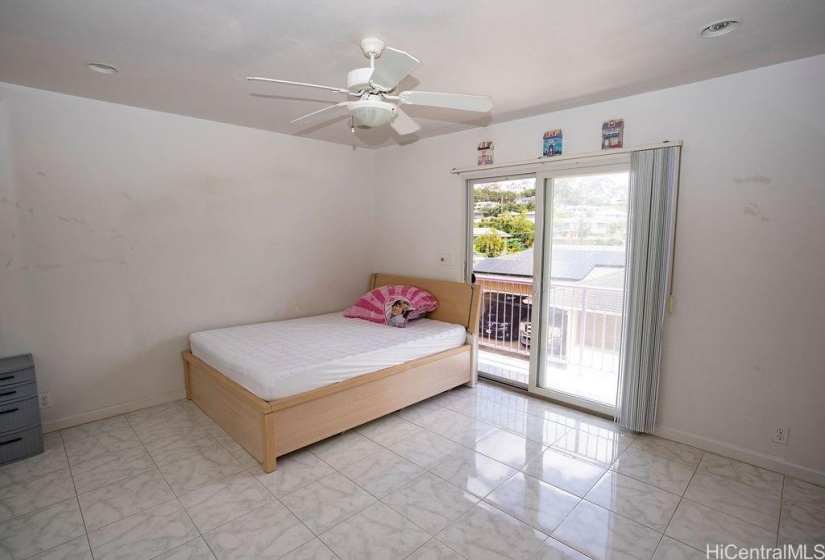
[108,412]
[769,462]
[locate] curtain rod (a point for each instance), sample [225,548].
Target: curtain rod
[515,165]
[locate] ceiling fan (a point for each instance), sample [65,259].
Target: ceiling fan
[375,88]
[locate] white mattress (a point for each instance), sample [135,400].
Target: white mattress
[276,360]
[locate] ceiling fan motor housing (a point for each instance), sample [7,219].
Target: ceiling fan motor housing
[358,80]
[372,112]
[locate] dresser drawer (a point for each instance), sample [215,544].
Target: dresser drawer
[19,391]
[20,444]
[19,414]
[19,376]
[16,369]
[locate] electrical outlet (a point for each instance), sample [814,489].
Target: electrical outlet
[445,260]
[780,434]
[45,399]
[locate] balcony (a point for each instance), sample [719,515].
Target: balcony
[584,338]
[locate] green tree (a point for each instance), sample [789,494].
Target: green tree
[490,244]
[517,225]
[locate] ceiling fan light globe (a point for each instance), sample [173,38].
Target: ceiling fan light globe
[373,113]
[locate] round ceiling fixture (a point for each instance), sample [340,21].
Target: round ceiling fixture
[719,28]
[101,68]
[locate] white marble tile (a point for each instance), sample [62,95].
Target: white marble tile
[602,427]
[745,502]
[107,469]
[552,549]
[41,530]
[172,429]
[563,471]
[636,500]
[325,503]
[221,501]
[508,448]
[144,535]
[761,479]
[159,415]
[227,442]
[654,470]
[113,425]
[75,549]
[533,501]
[176,447]
[434,550]
[426,449]
[52,459]
[344,449]
[545,431]
[249,462]
[799,492]
[375,533]
[269,532]
[601,451]
[293,471]
[426,414]
[670,450]
[601,534]
[382,472]
[388,430]
[485,533]
[313,550]
[35,493]
[670,549]
[431,502]
[463,430]
[189,474]
[802,523]
[121,499]
[193,550]
[473,472]
[99,439]
[699,526]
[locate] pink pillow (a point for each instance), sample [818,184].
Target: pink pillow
[392,305]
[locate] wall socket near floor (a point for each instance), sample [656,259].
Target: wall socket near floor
[780,434]
[45,399]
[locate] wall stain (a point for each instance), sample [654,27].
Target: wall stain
[41,174]
[46,266]
[758,179]
[8,264]
[752,209]
[4,200]
[77,220]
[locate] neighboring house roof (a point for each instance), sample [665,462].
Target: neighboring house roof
[572,262]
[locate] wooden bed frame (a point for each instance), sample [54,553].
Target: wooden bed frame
[268,429]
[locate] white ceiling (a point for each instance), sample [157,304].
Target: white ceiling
[191,57]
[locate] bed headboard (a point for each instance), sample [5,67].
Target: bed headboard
[457,302]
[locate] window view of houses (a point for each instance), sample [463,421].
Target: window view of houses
[584,297]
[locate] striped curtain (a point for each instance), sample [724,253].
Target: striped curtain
[654,177]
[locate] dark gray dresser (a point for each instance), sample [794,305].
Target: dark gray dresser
[20,432]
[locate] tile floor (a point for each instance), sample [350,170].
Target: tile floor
[474,473]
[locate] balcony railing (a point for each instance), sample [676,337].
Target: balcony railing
[584,322]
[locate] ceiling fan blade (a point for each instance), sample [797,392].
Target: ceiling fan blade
[324,114]
[392,67]
[403,123]
[258,79]
[478,103]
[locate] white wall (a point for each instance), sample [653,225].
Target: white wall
[123,230]
[744,348]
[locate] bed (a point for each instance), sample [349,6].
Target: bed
[270,428]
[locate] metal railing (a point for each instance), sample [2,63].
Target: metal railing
[584,322]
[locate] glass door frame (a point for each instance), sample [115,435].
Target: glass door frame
[469,195]
[541,269]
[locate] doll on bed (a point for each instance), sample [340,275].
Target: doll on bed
[397,316]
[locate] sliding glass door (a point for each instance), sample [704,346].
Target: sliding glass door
[576,335]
